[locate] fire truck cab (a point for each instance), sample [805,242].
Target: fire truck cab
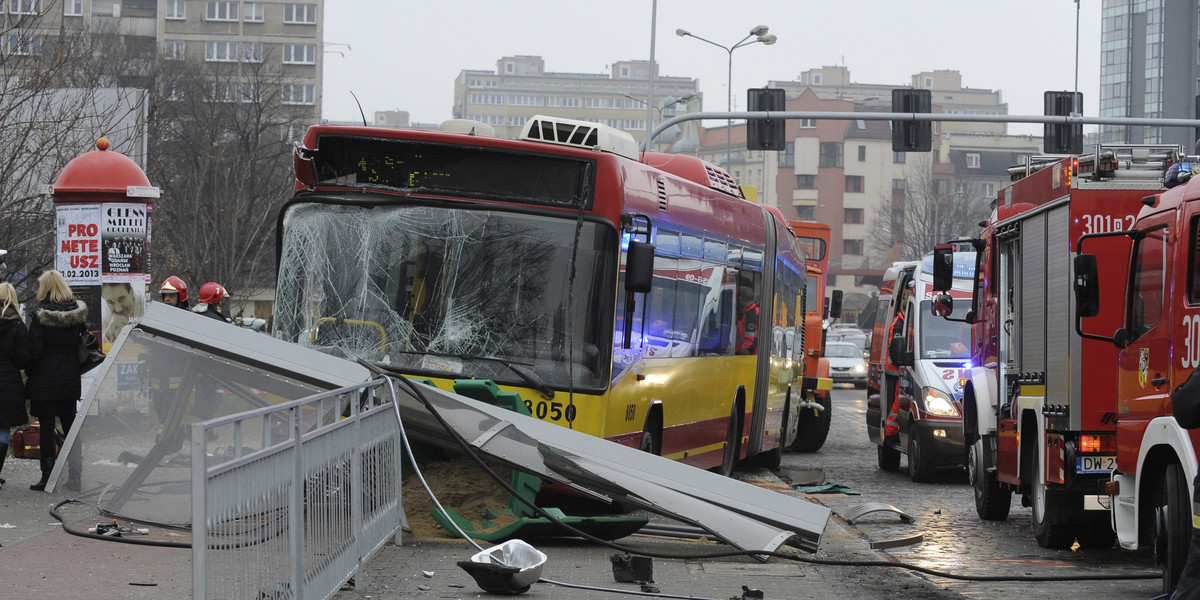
[1153,319]
[1040,402]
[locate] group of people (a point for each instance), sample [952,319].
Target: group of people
[46,348]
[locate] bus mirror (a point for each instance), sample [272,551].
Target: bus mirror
[943,267]
[835,304]
[942,305]
[1087,288]
[639,267]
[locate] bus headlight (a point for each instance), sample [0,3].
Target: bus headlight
[938,403]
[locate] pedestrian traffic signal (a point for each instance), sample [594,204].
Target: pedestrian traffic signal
[765,134]
[1063,138]
[912,136]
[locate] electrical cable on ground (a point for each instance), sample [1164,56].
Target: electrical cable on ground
[415,388]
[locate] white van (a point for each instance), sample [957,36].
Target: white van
[933,355]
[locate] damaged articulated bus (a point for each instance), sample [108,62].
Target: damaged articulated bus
[604,286]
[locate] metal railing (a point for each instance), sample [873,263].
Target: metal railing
[292,499]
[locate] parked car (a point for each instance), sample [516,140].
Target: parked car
[846,363]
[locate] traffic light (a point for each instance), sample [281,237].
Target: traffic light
[912,136]
[765,134]
[1061,138]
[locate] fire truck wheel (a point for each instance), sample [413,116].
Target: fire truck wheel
[1172,530]
[1053,517]
[991,501]
[889,458]
[732,442]
[814,426]
[920,468]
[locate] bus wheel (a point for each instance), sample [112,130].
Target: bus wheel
[814,425]
[1172,531]
[651,440]
[732,442]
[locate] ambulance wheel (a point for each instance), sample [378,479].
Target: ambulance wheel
[991,501]
[1052,512]
[920,468]
[889,458]
[1172,531]
[813,427]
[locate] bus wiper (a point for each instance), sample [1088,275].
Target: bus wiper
[529,376]
[526,375]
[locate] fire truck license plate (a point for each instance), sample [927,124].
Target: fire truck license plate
[1095,464]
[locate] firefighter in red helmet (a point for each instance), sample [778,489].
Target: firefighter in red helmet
[174,292]
[209,305]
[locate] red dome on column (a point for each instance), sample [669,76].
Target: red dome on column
[98,173]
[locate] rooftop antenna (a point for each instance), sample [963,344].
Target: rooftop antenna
[360,110]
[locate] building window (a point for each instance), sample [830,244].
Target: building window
[252,52]
[25,7]
[221,51]
[852,247]
[305,14]
[854,184]
[806,182]
[808,123]
[862,154]
[787,158]
[72,8]
[852,216]
[299,93]
[299,54]
[223,92]
[23,45]
[251,92]
[899,157]
[252,12]
[898,187]
[175,9]
[173,50]
[972,160]
[816,80]
[988,190]
[221,11]
[831,155]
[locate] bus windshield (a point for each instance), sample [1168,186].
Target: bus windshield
[450,293]
[941,338]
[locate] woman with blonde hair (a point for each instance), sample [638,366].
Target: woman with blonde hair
[14,356]
[53,386]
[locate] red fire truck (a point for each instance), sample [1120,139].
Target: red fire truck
[1153,319]
[816,407]
[1040,401]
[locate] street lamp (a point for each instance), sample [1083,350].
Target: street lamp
[760,34]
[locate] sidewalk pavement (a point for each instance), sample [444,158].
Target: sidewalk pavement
[39,559]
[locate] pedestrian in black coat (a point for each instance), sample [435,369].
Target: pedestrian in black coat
[53,385]
[14,356]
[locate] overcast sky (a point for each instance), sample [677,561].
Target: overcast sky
[406,54]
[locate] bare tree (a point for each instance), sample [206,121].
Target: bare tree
[929,211]
[56,99]
[221,150]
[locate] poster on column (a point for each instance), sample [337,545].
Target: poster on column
[123,229]
[78,236]
[124,299]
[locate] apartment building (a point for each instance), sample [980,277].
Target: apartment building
[243,35]
[521,87]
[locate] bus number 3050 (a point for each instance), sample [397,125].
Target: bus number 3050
[555,411]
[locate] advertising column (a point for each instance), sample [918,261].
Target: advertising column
[103,202]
